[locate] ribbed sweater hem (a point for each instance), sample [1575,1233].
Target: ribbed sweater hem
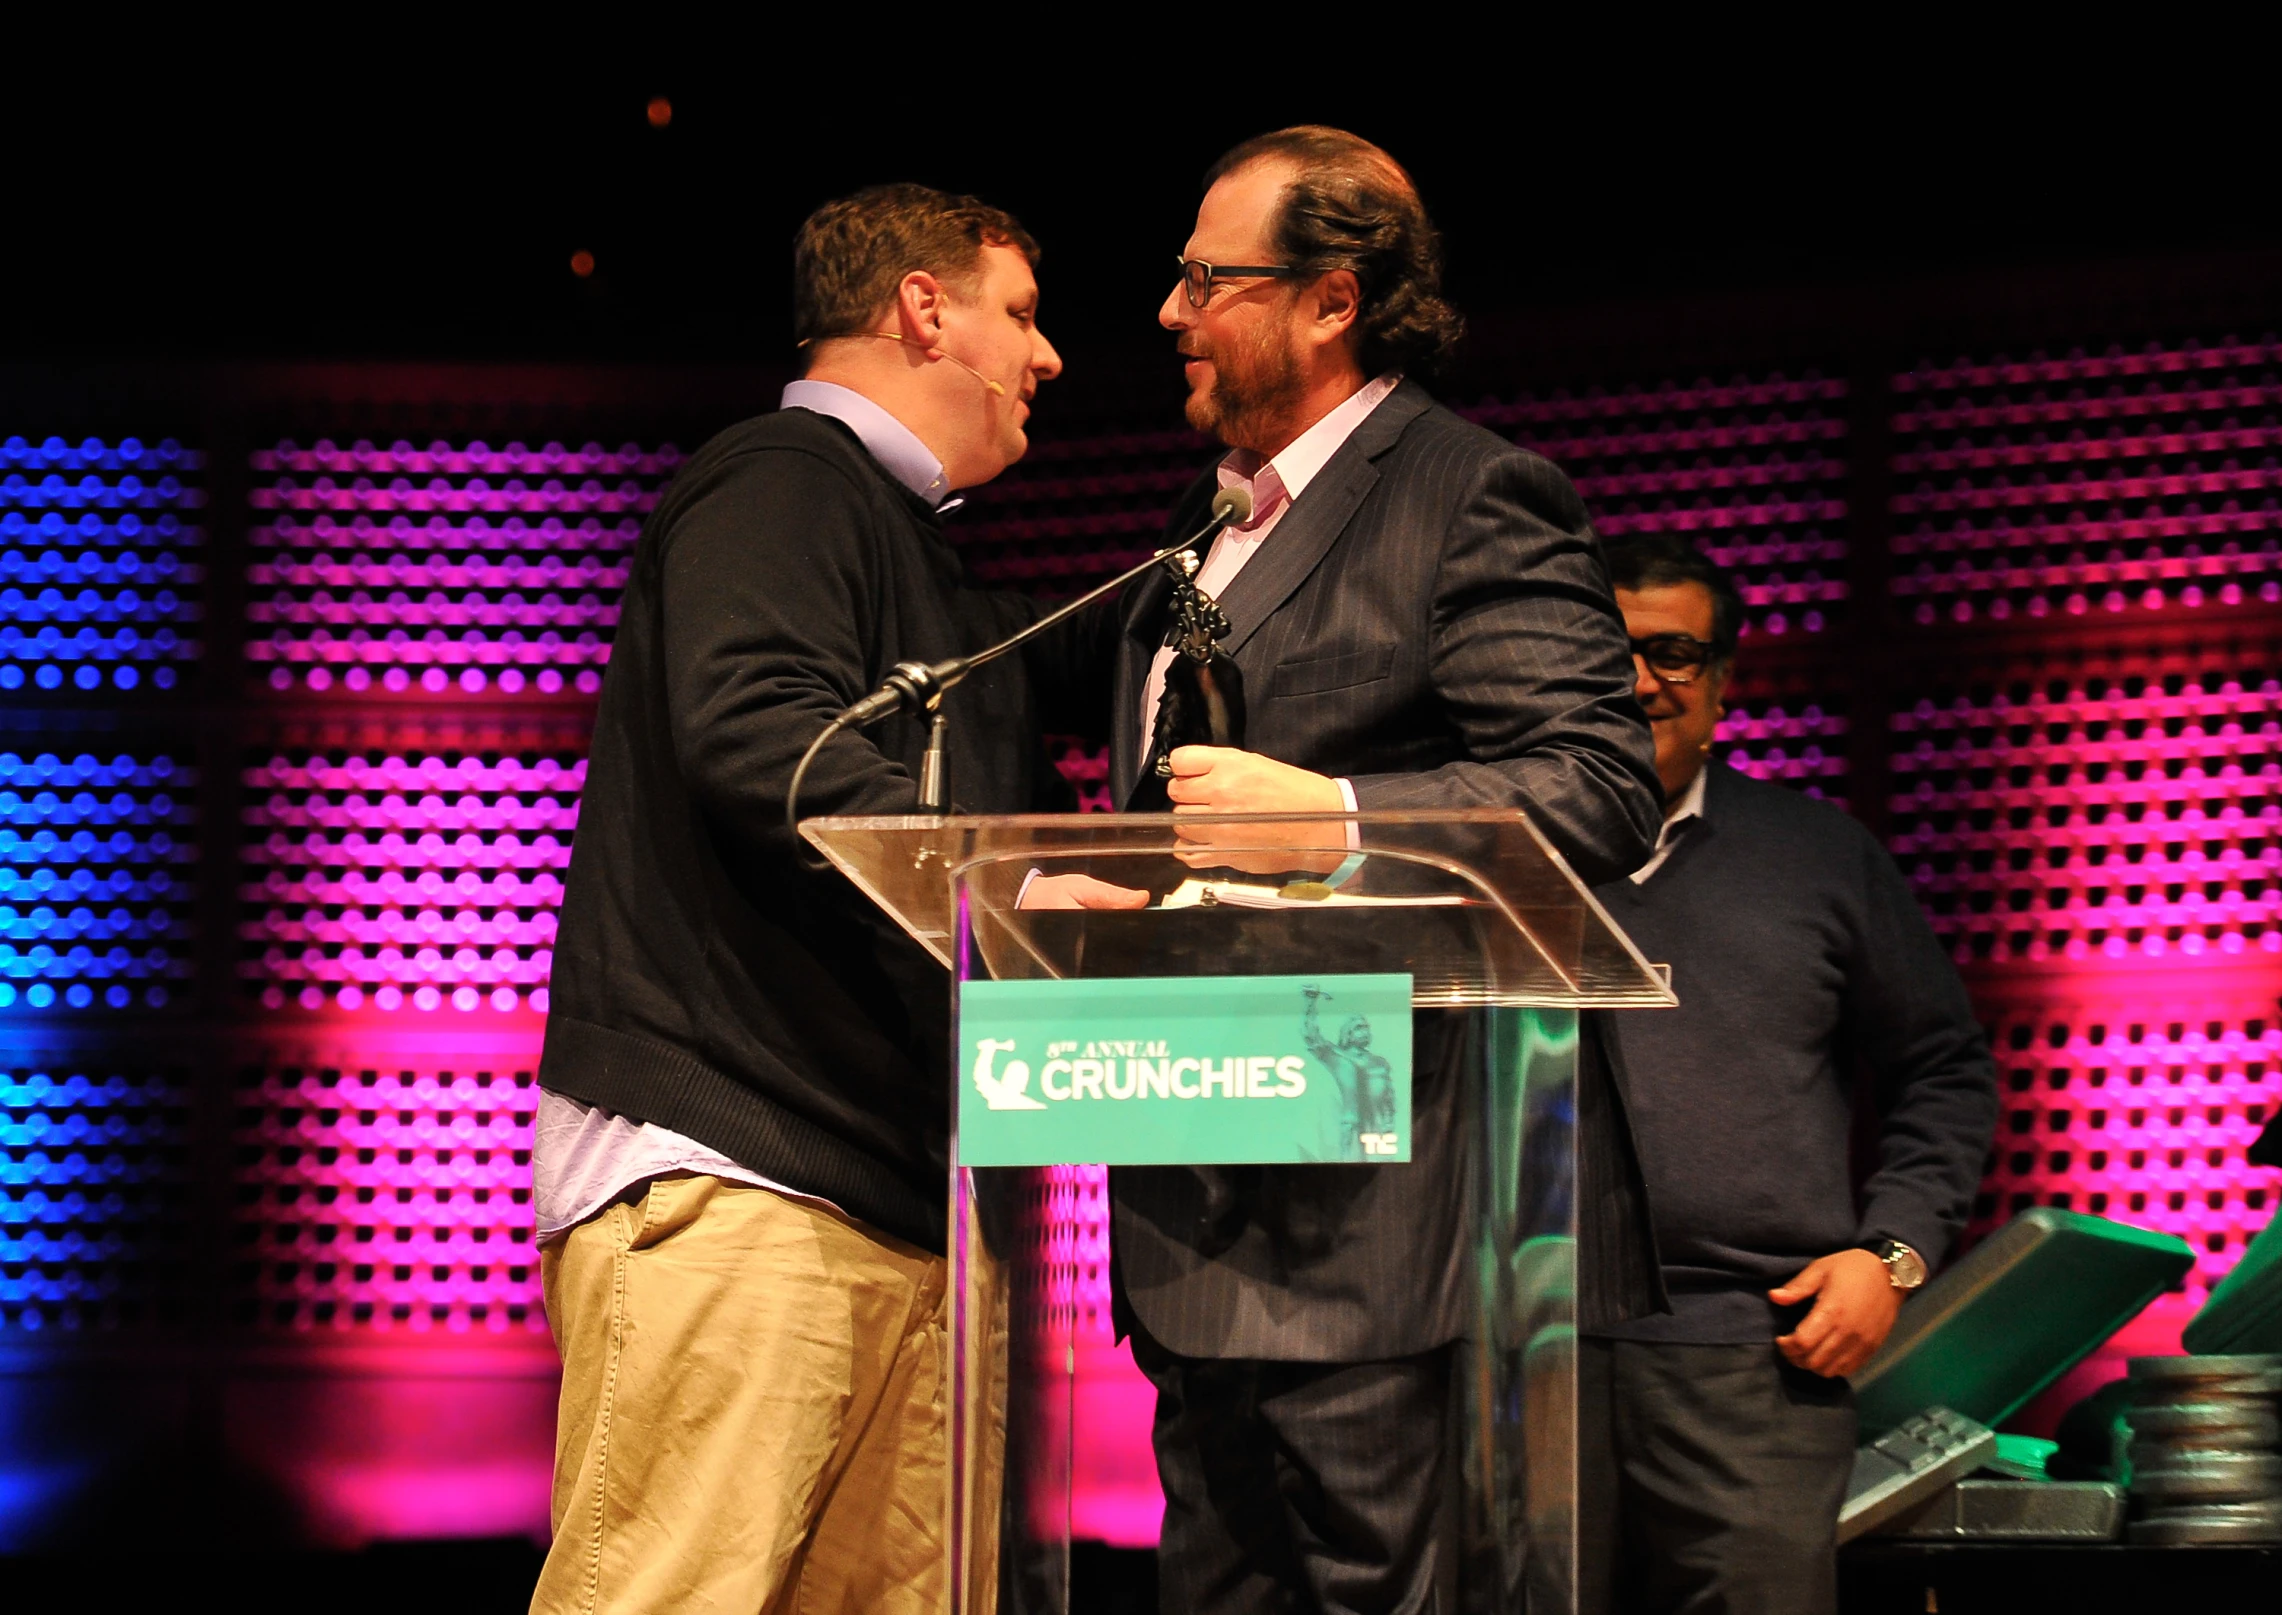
[1718,1317]
[656,1082]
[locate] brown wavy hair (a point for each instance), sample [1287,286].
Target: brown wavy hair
[1351,206]
[851,254]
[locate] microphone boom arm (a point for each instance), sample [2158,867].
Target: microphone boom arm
[919,687]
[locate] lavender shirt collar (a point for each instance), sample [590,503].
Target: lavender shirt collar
[886,439]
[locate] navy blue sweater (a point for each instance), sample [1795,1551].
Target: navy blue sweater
[1800,957]
[704,979]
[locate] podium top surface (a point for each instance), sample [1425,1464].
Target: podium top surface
[1473,903]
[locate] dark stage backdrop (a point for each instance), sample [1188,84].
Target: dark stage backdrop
[297,665]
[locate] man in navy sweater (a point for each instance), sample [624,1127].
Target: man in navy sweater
[1715,1440]
[739,1166]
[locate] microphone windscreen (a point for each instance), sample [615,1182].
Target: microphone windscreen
[1232,505]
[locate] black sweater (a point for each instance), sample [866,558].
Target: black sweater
[1799,955]
[704,980]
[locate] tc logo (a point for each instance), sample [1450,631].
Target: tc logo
[1380,1144]
[1002,1091]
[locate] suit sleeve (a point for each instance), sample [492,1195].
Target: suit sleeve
[1933,1082]
[768,580]
[1530,663]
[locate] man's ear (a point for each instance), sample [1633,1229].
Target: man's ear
[919,304]
[1338,304]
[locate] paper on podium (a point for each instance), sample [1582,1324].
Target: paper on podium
[1251,894]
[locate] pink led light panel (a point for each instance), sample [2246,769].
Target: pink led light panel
[405,881]
[1115,1497]
[2140,1113]
[1751,469]
[389,1194]
[2118,482]
[2100,817]
[1788,741]
[460,1446]
[447,568]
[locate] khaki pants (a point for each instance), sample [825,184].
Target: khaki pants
[753,1411]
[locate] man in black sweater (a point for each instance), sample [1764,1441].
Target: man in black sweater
[740,1167]
[1715,1440]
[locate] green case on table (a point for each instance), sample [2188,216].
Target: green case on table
[2014,1314]
[2244,1314]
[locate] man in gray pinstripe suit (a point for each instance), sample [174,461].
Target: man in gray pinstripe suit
[1421,619]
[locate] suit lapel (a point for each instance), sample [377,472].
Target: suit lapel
[1297,546]
[1307,531]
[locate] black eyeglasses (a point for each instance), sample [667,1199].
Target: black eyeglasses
[1674,658]
[1197,276]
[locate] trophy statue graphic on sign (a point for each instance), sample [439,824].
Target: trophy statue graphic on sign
[1365,1081]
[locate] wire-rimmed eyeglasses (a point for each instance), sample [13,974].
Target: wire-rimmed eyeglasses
[1197,276]
[1675,658]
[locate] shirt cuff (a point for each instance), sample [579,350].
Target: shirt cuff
[1025,891]
[1346,871]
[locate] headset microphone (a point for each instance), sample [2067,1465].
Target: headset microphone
[897,336]
[968,368]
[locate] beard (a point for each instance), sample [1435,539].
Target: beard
[1256,388]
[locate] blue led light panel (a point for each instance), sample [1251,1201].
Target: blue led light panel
[93,1197]
[100,570]
[96,857]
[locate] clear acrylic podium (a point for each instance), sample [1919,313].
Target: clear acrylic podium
[1489,922]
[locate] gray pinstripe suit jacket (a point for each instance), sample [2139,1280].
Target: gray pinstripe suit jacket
[1430,620]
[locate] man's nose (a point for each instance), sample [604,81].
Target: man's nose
[1045,361]
[1645,684]
[1174,314]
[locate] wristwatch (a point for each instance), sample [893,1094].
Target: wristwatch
[1905,1268]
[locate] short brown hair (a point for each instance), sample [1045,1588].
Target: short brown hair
[1352,207]
[851,254]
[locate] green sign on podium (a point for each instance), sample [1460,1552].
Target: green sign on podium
[1220,1070]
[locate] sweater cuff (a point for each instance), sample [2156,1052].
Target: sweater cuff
[1923,1233]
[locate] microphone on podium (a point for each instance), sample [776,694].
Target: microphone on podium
[919,687]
